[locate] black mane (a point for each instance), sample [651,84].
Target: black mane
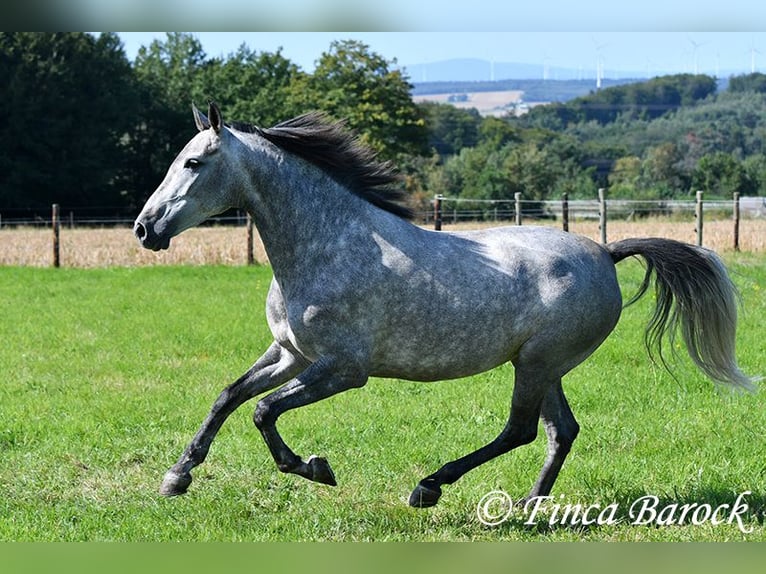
[336,150]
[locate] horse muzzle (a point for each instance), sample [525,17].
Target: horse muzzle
[149,238]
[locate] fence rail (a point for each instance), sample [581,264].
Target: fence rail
[448,211]
[601,209]
[456,210]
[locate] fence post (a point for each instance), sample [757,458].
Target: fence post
[438,212]
[565,211]
[736,221]
[517,200]
[56,224]
[602,213]
[699,217]
[250,254]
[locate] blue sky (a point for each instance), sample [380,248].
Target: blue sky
[646,52]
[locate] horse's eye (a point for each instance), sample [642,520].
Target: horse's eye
[192,163]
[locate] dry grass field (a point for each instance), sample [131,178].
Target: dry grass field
[487,103]
[88,248]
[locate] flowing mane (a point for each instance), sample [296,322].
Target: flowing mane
[337,151]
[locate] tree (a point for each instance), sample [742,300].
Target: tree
[174,70]
[254,87]
[755,175]
[719,174]
[624,177]
[662,170]
[755,82]
[350,82]
[450,129]
[171,75]
[497,132]
[69,101]
[647,100]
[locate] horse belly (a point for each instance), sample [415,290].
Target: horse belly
[448,342]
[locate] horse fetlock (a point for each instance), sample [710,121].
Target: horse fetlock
[316,469]
[174,484]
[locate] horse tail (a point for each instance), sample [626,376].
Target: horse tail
[694,294]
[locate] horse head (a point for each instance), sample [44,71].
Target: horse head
[194,187]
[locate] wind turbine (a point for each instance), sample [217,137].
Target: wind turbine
[599,63]
[546,67]
[753,52]
[649,65]
[695,48]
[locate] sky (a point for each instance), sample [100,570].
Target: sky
[647,53]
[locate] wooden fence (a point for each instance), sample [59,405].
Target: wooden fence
[565,209]
[447,211]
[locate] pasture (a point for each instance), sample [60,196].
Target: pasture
[108,372]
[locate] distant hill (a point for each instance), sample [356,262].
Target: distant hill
[552,84]
[478,70]
[533,90]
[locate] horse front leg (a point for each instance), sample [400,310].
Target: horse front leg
[321,380]
[275,367]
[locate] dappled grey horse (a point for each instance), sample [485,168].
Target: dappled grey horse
[359,291]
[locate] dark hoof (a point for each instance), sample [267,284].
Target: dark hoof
[320,471]
[424,496]
[174,484]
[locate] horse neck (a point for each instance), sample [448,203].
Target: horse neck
[302,214]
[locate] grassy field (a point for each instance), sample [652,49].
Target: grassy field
[108,373]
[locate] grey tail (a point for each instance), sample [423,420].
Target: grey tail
[694,294]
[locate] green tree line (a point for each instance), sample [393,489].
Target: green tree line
[85,127]
[658,139]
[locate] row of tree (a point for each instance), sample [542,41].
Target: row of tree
[663,138]
[85,127]
[88,129]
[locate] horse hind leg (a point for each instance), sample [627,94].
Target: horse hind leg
[529,392]
[561,429]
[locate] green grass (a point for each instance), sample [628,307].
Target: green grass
[108,373]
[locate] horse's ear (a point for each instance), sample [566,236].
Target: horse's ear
[200,120]
[216,121]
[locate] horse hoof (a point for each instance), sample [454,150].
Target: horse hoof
[425,496]
[174,484]
[320,471]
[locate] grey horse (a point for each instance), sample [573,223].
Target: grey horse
[359,291]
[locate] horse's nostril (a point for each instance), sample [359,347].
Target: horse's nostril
[139,230]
